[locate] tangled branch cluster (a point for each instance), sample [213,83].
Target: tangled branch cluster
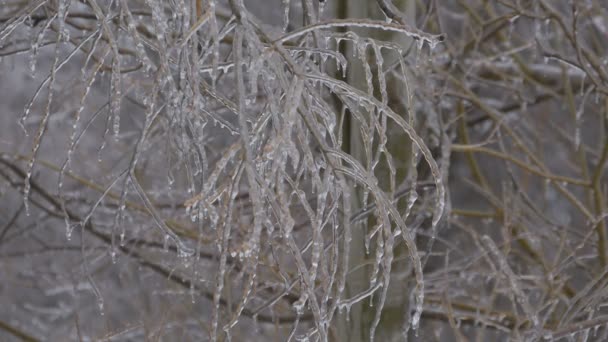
[295,175]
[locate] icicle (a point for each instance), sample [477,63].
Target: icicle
[26,192]
[362,53]
[68,232]
[419,44]
[103,142]
[577,128]
[300,304]
[33,48]
[166,243]
[100,306]
[286,6]
[386,259]
[377,259]
[343,66]
[192,298]
[381,78]
[73,143]
[41,130]
[419,47]
[115,96]
[182,251]
[512,21]
[62,11]
[321,9]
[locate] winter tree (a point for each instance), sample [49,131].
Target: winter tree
[303,170]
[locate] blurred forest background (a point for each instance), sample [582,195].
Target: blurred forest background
[303,170]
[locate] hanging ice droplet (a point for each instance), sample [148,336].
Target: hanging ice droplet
[321,8]
[192,297]
[420,44]
[100,306]
[166,243]
[26,194]
[33,53]
[299,305]
[433,43]
[347,307]
[183,252]
[115,96]
[416,318]
[68,232]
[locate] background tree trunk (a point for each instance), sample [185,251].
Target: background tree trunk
[355,324]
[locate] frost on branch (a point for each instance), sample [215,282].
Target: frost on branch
[233,163]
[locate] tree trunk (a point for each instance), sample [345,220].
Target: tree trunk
[355,324]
